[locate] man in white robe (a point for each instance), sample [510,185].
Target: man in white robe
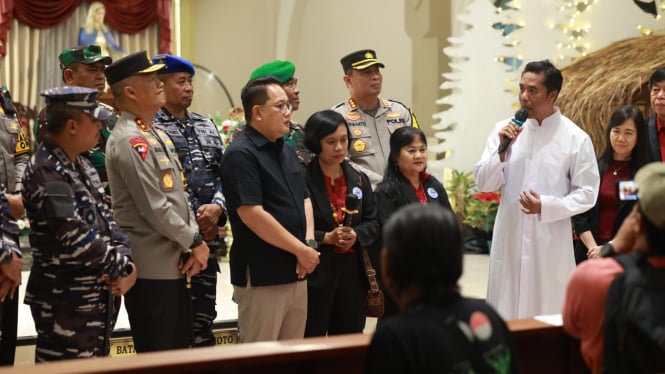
[547,174]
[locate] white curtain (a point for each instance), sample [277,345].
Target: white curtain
[32,65]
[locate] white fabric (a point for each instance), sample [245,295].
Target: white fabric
[532,254]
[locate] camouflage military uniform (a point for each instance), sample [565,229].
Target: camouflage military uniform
[295,138]
[200,151]
[370,134]
[75,241]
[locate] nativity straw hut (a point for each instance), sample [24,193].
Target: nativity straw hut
[597,84]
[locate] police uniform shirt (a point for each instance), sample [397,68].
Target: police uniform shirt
[74,236]
[14,152]
[149,201]
[370,134]
[256,171]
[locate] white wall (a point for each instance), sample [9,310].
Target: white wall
[233,37]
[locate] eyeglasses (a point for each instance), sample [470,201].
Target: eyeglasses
[282,107]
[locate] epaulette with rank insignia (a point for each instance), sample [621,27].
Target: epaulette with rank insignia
[414,121]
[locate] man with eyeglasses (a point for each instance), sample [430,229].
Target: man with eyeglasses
[284,71]
[271,217]
[371,119]
[200,151]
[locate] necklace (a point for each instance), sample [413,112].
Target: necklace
[616,169]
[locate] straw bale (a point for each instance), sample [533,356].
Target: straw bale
[597,84]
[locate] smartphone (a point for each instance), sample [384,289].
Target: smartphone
[627,190]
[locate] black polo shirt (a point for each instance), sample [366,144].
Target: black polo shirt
[256,171]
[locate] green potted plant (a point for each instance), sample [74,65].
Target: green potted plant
[476,211]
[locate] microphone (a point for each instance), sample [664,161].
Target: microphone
[351,208]
[520,116]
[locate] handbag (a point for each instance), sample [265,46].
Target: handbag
[374,304]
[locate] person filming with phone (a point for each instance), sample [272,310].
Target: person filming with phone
[625,152]
[614,305]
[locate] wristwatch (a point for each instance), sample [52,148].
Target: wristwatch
[198,239]
[607,250]
[312,243]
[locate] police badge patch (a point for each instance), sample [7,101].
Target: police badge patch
[140,146]
[167,180]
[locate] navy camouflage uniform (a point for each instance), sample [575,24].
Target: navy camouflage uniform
[75,241]
[200,150]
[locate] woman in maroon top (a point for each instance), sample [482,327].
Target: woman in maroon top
[625,152]
[337,289]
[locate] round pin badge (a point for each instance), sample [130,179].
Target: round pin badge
[358,192]
[432,193]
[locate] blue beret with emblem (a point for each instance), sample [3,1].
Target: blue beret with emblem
[173,64]
[74,97]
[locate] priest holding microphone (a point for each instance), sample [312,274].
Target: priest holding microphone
[547,173]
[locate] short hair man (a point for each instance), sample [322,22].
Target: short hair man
[284,71]
[84,67]
[371,119]
[422,263]
[548,174]
[643,231]
[656,123]
[271,217]
[77,245]
[149,201]
[200,151]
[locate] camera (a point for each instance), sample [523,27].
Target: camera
[627,190]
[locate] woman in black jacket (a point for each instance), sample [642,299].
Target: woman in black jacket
[337,289]
[625,152]
[405,181]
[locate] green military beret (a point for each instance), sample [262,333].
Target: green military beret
[281,69]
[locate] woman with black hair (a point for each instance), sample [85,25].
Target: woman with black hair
[405,181]
[437,330]
[625,152]
[337,289]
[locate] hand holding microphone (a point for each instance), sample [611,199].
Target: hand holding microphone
[346,236]
[509,132]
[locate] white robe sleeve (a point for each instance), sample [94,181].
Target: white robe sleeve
[488,172]
[584,185]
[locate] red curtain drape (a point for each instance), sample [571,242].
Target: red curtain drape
[125,16]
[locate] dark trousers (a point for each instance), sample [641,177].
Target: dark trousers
[8,323]
[160,314]
[339,308]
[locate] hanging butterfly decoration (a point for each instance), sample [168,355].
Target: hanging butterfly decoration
[506,28]
[502,5]
[513,63]
[647,7]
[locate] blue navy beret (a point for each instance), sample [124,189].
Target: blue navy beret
[174,64]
